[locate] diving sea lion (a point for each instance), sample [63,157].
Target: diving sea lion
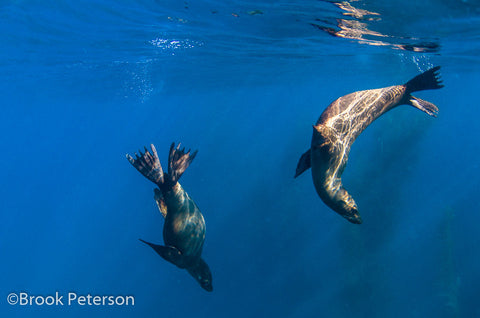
[184,227]
[339,126]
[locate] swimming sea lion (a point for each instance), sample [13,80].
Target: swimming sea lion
[184,227]
[339,126]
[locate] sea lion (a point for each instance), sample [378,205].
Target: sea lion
[341,123]
[184,227]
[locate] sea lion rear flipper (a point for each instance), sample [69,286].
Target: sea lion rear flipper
[427,80]
[424,106]
[169,253]
[304,163]
[160,202]
[178,162]
[148,164]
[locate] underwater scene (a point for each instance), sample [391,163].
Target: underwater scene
[240,158]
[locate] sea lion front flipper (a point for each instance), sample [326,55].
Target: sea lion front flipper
[169,253]
[424,106]
[162,206]
[304,163]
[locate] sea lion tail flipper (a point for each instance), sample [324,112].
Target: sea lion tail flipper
[178,162]
[427,80]
[162,206]
[424,106]
[304,163]
[148,164]
[169,253]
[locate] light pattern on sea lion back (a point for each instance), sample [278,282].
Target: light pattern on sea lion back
[347,117]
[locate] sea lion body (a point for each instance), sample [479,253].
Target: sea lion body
[184,227]
[341,123]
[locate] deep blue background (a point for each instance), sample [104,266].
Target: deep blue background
[83,83]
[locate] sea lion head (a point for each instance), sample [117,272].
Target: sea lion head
[201,272]
[205,281]
[347,207]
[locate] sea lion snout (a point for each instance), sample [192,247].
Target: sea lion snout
[352,215]
[355,218]
[347,207]
[201,272]
[207,286]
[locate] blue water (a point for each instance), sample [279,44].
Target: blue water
[85,82]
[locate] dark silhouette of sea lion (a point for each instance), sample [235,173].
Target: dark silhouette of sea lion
[339,126]
[184,227]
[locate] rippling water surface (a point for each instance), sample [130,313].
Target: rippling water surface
[209,35]
[85,82]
